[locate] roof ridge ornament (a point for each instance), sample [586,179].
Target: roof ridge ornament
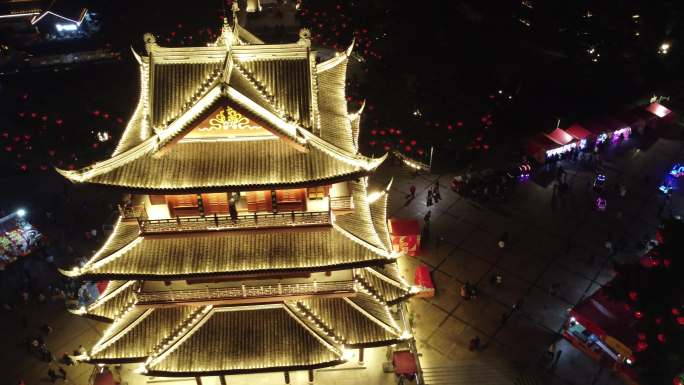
[304,37]
[150,42]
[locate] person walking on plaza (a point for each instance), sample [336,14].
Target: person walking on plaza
[503,240]
[412,192]
[436,193]
[429,197]
[474,344]
[53,376]
[426,218]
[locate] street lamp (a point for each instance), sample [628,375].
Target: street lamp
[664,48]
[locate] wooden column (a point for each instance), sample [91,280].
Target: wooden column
[311,380]
[287,378]
[222,378]
[360,356]
[198,380]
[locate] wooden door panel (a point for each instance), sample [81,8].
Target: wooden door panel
[215,203]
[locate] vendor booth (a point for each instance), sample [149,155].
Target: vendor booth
[659,110]
[405,235]
[540,148]
[564,141]
[605,330]
[608,129]
[580,134]
[18,238]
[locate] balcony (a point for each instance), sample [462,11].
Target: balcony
[132,211]
[225,222]
[342,203]
[246,293]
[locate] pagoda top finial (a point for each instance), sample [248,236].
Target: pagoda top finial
[235,8]
[227,37]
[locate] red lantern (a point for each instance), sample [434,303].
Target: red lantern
[398,132]
[421,152]
[382,132]
[638,314]
[59,122]
[96,112]
[387,148]
[667,262]
[641,346]
[449,127]
[106,116]
[374,132]
[680,320]
[459,124]
[33,115]
[413,143]
[23,167]
[658,321]
[407,148]
[661,337]
[633,295]
[372,143]
[641,336]
[675,311]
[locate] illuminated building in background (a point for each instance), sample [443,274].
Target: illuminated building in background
[250,243]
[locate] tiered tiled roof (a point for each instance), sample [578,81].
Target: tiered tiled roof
[299,324]
[132,337]
[234,252]
[231,340]
[114,301]
[302,334]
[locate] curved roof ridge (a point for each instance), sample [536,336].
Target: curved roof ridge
[181,333]
[394,329]
[362,242]
[336,60]
[111,335]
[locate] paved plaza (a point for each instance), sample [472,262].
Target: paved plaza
[553,241]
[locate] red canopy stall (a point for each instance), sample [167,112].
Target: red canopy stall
[405,235]
[538,146]
[658,110]
[604,329]
[579,133]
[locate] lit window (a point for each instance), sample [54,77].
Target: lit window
[317,192]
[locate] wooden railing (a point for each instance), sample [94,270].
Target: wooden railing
[237,292]
[225,222]
[342,203]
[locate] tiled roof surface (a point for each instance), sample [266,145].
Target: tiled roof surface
[236,252]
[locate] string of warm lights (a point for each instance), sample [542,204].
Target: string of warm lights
[184,329]
[111,335]
[393,328]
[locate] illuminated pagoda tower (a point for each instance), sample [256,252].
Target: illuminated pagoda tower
[250,243]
